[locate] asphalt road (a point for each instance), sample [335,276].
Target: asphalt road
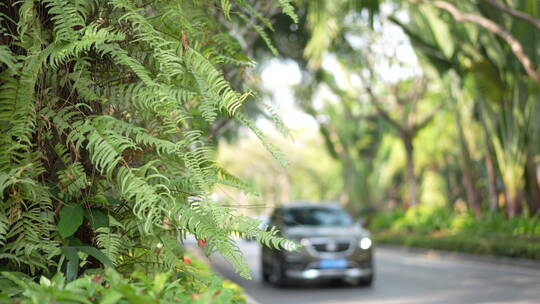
[402,277]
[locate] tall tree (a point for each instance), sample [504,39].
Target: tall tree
[407,126]
[499,59]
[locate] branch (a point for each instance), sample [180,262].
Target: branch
[325,132]
[419,126]
[415,95]
[217,128]
[512,12]
[330,145]
[515,45]
[382,112]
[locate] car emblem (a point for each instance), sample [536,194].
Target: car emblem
[331,246]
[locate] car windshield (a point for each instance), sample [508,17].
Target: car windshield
[316,216]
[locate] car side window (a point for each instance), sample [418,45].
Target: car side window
[274,219]
[288,219]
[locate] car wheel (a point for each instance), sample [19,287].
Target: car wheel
[265,273]
[278,276]
[365,282]
[266,277]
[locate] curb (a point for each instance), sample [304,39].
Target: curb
[454,255]
[200,255]
[250,300]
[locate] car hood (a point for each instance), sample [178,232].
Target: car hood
[315,231]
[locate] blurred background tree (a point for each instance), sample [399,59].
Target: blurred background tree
[427,106]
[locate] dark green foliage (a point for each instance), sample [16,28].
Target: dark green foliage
[443,220]
[70,220]
[105,108]
[493,234]
[192,285]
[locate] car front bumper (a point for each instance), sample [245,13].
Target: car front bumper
[313,274]
[305,264]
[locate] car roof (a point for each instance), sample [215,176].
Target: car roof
[307,204]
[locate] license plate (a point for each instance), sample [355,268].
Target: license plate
[333,263]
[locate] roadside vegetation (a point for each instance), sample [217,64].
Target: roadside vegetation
[445,229]
[109,117]
[191,281]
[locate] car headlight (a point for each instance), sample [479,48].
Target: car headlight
[304,242]
[365,243]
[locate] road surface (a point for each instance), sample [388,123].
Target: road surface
[402,278]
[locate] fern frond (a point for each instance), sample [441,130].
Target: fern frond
[91,35]
[276,119]
[146,199]
[105,147]
[288,9]
[226,178]
[276,153]
[260,30]
[67,18]
[64,120]
[73,179]
[4,225]
[111,244]
[226,7]
[214,89]
[30,224]
[18,113]
[7,57]
[255,13]
[82,81]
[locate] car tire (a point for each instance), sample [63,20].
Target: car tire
[277,276]
[365,282]
[265,273]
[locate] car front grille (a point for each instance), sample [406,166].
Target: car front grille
[332,247]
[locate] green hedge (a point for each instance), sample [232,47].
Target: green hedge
[468,243]
[422,219]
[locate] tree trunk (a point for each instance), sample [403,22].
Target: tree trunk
[412,183]
[493,194]
[455,188]
[532,180]
[467,167]
[513,204]
[470,189]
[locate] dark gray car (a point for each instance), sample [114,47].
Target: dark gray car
[333,246]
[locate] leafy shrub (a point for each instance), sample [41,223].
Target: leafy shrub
[462,242]
[462,222]
[527,226]
[498,224]
[427,220]
[493,234]
[424,218]
[386,220]
[106,108]
[194,284]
